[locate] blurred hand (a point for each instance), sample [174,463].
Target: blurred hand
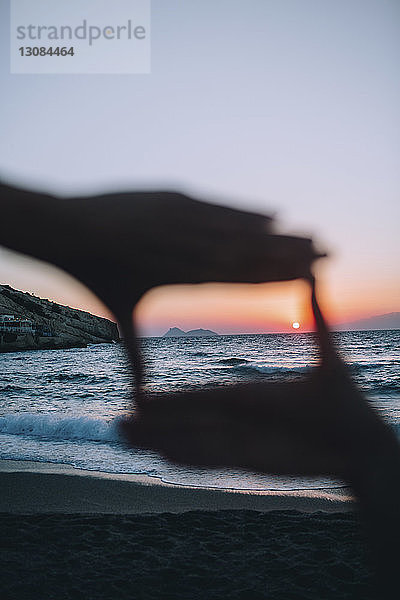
[122,245]
[319,426]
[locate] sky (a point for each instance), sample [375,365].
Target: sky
[285,107]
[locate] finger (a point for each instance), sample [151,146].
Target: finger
[182,213]
[133,351]
[327,349]
[253,258]
[224,218]
[258,447]
[235,409]
[277,257]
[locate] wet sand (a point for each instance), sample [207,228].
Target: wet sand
[69,534]
[29,487]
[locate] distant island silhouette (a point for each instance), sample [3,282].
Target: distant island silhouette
[176,332]
[388,321]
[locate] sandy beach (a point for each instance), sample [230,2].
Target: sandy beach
[29,487]
[68,533]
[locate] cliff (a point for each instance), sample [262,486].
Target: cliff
[49,325]
[176,332]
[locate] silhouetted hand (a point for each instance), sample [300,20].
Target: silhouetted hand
[125,244]
[318,426]
[121,245]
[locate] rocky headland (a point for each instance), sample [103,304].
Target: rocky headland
[31,323]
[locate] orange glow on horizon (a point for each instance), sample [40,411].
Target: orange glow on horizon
[259,308]
[225,308]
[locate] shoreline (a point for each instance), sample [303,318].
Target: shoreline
[63,346]
[33,487]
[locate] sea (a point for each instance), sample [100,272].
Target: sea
[65,406]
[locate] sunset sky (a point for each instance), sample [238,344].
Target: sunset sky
[287,107]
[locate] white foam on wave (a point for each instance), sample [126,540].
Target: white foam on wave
[270,369]
[61,427]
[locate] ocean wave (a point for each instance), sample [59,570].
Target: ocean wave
[11,388]
[60,427]
[233,361]
[260,370]
[373,366]
[81,377]
[382,386]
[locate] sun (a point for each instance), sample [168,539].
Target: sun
[295,325]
